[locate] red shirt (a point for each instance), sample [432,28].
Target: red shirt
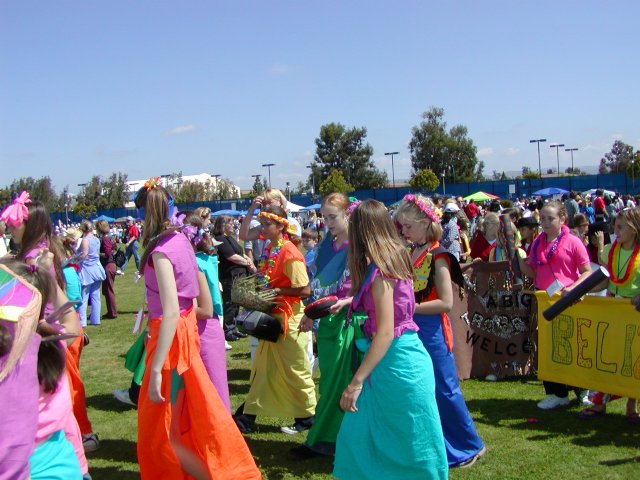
[133,232]
[471,210]
[598,205]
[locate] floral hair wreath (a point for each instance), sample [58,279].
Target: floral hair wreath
[17,212]
[152,183]
[274,217]
[352,206]
[423,207]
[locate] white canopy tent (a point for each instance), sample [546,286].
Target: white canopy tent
[293,208]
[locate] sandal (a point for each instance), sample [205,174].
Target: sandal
[591,412]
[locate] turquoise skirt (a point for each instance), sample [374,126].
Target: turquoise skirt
[55,459]
[396,432]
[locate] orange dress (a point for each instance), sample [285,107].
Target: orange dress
[192,430]
[203,425]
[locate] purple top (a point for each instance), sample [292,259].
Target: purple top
[404,305]
[19,406]
[180,253]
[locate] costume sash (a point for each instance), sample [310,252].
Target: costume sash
[329,270]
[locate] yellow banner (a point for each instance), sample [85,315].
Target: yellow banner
[594,344]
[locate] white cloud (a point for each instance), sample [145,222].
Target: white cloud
[485,152]
[512,151]
[279,69]
[617,136]
[178,130]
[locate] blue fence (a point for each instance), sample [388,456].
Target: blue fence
[618,182]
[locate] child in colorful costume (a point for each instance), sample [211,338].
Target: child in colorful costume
[391,427]
[335,336]
[281,383]
[184,429]
[434,270]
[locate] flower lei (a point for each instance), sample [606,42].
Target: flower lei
[152,183]
[613,264]
[17,212]
[274,217]
[540,257]
[422,206]
[267,263]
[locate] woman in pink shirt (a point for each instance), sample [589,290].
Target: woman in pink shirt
[558,261]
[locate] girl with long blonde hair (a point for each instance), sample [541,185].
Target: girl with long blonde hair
[390,406]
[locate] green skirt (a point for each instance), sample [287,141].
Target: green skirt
[338,360]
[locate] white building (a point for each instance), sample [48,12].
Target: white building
[168,181]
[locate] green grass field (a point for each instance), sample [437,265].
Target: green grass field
[557,445]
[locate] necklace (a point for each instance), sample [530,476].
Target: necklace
[267,263]
[541,258]
[615,269]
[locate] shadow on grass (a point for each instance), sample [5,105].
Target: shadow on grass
[622,461]
[238,388]
[241,356]
[238,374]
[113,472]
[107,403]
[273,457]
[119,450]
[524,415]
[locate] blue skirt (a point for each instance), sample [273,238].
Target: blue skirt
[396,431]
[460,435]
[55,459]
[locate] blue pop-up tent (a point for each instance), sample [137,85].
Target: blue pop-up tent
[106,218]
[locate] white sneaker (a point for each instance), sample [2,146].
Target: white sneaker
[552,401]
[491,378]
[122,395]
[90,442]
[119,272]
[227,346]
[584,399]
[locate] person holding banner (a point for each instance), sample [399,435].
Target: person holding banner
[558,262]
[391,427]
[434,268]
[622,260]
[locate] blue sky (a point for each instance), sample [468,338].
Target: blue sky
[153,87]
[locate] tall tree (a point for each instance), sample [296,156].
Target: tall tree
[116,190]
[424,180]
[434,148]
[335,182]
[40,189]
[619,159]
[345,149]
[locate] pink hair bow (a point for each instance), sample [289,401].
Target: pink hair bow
[17,212]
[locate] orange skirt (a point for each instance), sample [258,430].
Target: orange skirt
[204,432]
[77,386]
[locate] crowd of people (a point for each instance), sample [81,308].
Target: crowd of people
[388,402]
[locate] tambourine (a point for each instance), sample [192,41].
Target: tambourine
[320,308]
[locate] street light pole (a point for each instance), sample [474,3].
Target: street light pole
[313,180]
[66,204]
[444,190]
[393,175]
[571,150]
[557,146]
[269,165]
[633,175]
[539,164]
